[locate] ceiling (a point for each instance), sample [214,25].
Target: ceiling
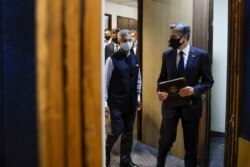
[131,3]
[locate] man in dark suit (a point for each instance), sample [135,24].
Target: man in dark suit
[194,65]
[122,96]
[114,46]
[135,42]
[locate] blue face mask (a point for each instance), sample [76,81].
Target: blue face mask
[126,46]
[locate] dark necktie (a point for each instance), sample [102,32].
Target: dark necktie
[181,65]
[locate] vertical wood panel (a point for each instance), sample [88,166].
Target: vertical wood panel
[69,83]
[92,83]
[73,82]
[50,83]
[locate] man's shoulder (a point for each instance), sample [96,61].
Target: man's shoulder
[197,50]
[168,52]
[117,55]
[110,45]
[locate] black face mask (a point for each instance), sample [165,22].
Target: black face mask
[107,37]
[175,43]
[115,40]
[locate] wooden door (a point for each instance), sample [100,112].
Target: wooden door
[238,136]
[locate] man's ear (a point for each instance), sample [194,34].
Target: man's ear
[186,37]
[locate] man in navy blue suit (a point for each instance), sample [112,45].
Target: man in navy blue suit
[183,60]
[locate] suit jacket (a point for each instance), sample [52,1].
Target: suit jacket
[109,50]
[197,75]
[122,91]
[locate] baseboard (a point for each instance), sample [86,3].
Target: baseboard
[217,134]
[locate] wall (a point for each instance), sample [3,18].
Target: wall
[219,67]
[157,16]
[120,10]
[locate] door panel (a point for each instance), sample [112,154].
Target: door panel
[126,23]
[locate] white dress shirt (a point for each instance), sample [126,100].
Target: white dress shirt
[185,55]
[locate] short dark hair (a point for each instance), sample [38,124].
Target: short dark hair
[133,31]
[106,29]
[115,30]
[182,29]
[123,33]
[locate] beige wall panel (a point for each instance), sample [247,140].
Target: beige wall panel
[157,16]
[243,152]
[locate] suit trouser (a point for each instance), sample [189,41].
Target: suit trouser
[168,136]
[121,124]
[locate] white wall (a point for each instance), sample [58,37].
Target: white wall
[219,67]
[120,10]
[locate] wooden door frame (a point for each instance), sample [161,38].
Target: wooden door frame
[202,38]
[234,78]
[235,64]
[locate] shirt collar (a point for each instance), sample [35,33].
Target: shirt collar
[128,54]
[185,50]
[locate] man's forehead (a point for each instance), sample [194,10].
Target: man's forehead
[173,32]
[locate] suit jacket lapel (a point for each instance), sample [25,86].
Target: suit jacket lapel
[113,48]
[173,60]
[191,57]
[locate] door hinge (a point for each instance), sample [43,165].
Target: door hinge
[231,121]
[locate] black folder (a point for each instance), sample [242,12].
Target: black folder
[172,87]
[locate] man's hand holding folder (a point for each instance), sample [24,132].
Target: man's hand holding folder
[175,92]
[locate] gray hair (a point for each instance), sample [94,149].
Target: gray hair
[123,33]
[182,29]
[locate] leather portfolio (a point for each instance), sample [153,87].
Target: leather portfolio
[172,87]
